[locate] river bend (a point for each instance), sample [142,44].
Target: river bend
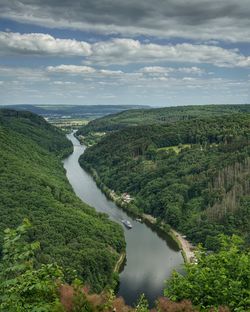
[150,259]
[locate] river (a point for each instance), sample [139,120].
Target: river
[150,259]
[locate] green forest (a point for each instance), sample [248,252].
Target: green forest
[192,174]
[218,282]
[151,116]
[33,185]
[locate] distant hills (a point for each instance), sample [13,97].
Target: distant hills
[74,111]
[161,115]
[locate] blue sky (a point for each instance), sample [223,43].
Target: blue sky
[158,53]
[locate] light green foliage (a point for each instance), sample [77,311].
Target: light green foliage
[142,305]
[218,279]
[80,302]
[109,301]
[24,287]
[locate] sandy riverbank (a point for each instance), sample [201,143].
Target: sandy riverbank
[120,262]
[186,246]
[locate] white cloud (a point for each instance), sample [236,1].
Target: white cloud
[60,82]
[71,69]
[167,70]
[124,51]
[80,69]
[107,72]
[42,44]
[30,86]
[191,70]
[120,51]
[156,70]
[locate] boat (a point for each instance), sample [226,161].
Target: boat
[138,220]
[127,224]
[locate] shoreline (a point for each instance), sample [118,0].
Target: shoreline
[187,249]
[120,262]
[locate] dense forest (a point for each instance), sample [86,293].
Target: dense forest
[192,174]
[33,185]
[218,282]
[163,115]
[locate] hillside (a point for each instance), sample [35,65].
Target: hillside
[157,116]
[191,174]
[33,185]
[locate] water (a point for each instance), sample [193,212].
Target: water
[150,259]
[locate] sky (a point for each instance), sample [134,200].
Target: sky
[158,53]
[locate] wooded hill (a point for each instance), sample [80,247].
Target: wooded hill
[158,116]
[33,185]
[192,174]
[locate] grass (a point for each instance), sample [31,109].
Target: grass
[176,148]
[66,123]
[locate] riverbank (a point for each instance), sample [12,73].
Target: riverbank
[120,262]
[187,249]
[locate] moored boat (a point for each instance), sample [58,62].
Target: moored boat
[127,224]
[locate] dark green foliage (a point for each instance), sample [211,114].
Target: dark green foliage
[159,116]
[218,279]
[24,288]
[33,185]
[193,174]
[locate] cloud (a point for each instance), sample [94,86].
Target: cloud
[124,51]
[119,51]
[191,70]
[156,70]
[200,20]
[79,70]
[107,72]
[166,70]
[42,44]
[39,85]
[71,69]
[22,74]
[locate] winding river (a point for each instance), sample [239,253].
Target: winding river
[150,259]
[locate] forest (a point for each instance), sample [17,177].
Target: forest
[55,250]
[217,282]
[151,116]
[192,174]
[33,185]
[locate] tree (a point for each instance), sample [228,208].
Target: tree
[23,287]
[217,279]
